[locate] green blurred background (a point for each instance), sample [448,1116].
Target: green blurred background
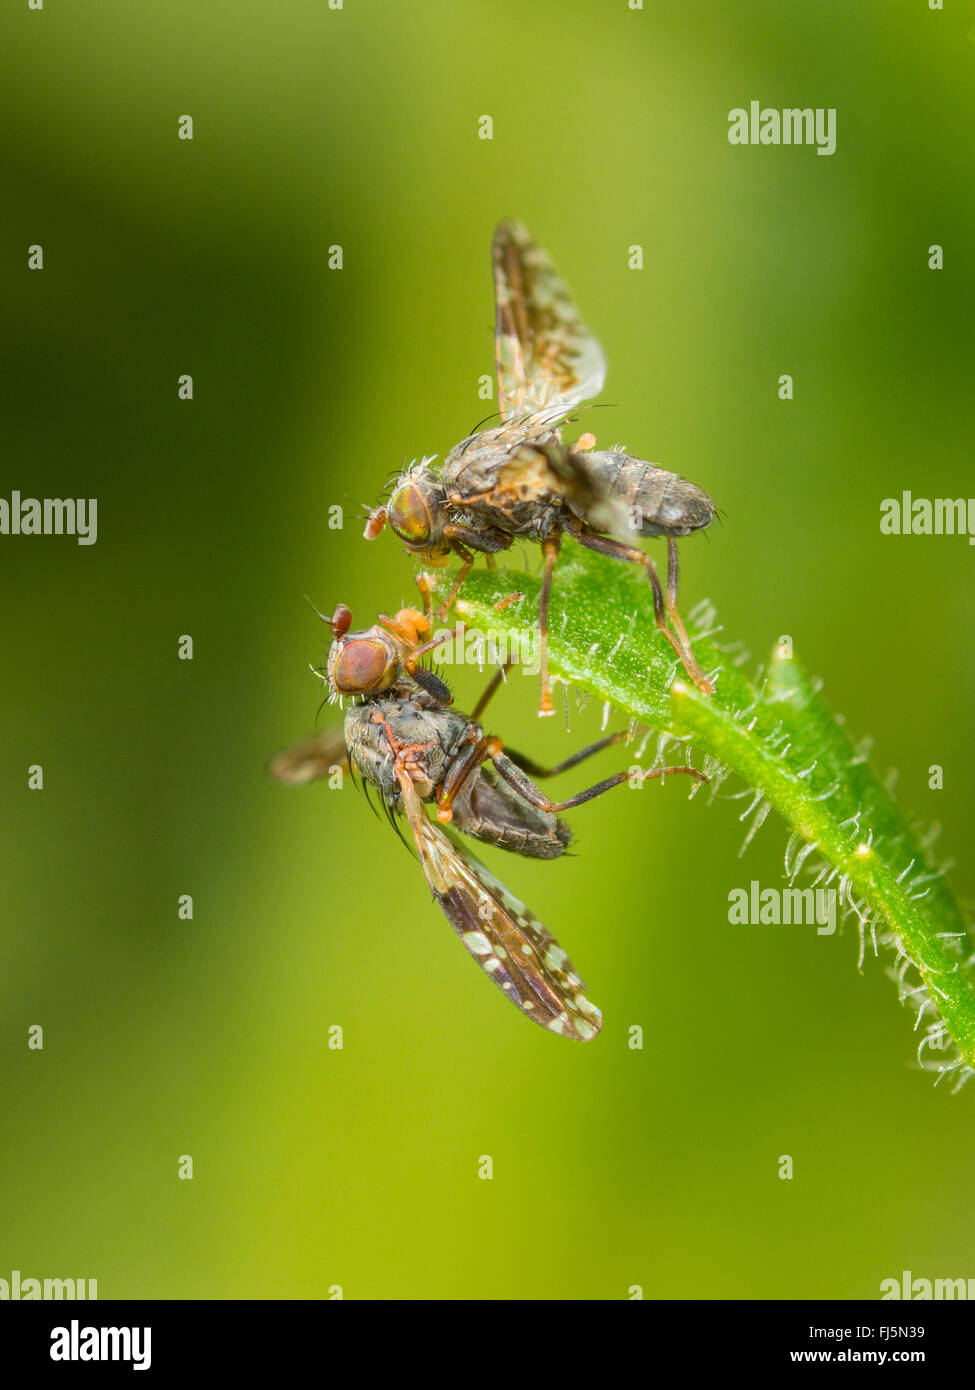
[359,1168]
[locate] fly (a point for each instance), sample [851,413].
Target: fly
[519,480]
[402,736]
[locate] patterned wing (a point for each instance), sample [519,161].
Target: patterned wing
[510,945]
[313,757]
[547,360]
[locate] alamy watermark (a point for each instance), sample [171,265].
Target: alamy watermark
[791,126]
[756,906]
[77,1343]
[908,515]
[18,1289]
[50,516]
[921,1290]
[469,646]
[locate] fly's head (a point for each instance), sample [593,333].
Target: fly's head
[381,658]
[416,512]
[366,662]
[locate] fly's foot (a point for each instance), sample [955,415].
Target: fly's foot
[545,706]
[507,601]
[686,657]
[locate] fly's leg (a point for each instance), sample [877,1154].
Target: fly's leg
[425,585]
[491,691]
[462,573]
[410,626]
[550,552]
[478,750]
[520,782]
[456,498]
[501,672]
[424,582]
[482,749]
[404,754]
[673,574]
[463,540]
[605,545]
[412,660]
[507,601]
[534,770]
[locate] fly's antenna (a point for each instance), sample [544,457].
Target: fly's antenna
[339,622]
[375,522]
[316,612]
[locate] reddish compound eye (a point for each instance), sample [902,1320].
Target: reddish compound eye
[359,667]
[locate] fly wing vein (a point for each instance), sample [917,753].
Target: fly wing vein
[510,945]
[547,359]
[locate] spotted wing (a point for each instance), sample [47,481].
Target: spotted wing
[313,757]
[547,360]
[510,945]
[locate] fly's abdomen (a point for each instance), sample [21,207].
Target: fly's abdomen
[658,503]
[489,812]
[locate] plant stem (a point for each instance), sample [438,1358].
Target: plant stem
[779,737]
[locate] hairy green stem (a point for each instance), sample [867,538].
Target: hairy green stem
[777,734]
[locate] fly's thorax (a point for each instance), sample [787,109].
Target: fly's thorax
[431,733]
[471,464]
[369,752]
[657,502]
[511,484]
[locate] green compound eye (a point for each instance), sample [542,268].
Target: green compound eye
[410,516]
